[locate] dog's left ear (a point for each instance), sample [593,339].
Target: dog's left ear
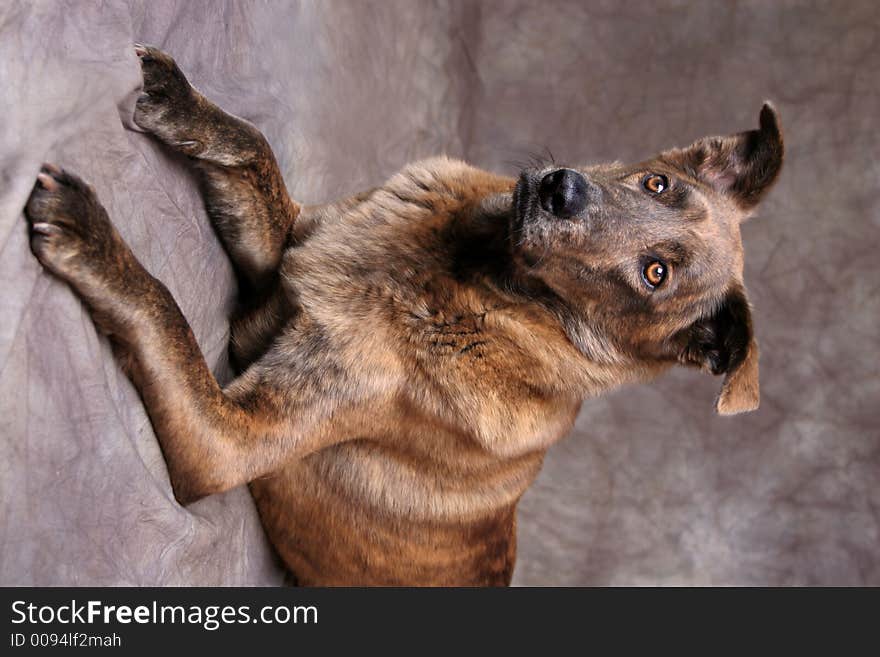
[744,165]
[724,343]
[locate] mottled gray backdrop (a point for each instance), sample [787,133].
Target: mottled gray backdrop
[651,488]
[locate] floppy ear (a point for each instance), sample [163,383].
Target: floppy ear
[724,343]
[745,165]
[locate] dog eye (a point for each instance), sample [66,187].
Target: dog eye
[654,273]
[655,183]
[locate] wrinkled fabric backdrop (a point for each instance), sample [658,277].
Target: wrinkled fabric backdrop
[651,488]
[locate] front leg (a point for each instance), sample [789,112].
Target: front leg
[244,192]
[212,439]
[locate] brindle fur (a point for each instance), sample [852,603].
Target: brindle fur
[407,356]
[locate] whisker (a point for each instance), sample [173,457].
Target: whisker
[533,159]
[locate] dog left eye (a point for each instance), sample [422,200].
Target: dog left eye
[655,183]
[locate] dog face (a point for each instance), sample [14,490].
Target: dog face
[647,258]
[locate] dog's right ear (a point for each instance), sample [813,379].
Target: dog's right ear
[743,166]
[724,343]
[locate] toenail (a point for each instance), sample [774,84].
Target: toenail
[47,181]
[45,229]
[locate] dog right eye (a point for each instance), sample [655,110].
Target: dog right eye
[655,183]
[654,273]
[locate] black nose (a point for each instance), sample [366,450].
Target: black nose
[563,193]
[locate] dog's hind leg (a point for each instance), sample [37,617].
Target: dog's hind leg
[244,192]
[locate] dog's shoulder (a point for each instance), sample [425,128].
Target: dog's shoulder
[393,240]
[447,178]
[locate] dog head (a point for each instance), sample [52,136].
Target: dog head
[646,260]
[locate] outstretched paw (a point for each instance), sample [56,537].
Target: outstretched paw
[69,228]
[169,106]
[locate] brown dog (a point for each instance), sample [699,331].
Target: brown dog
[407,356]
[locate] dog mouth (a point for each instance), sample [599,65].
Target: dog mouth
[532,229]
[525,206]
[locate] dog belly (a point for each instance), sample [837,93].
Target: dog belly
[330,534]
